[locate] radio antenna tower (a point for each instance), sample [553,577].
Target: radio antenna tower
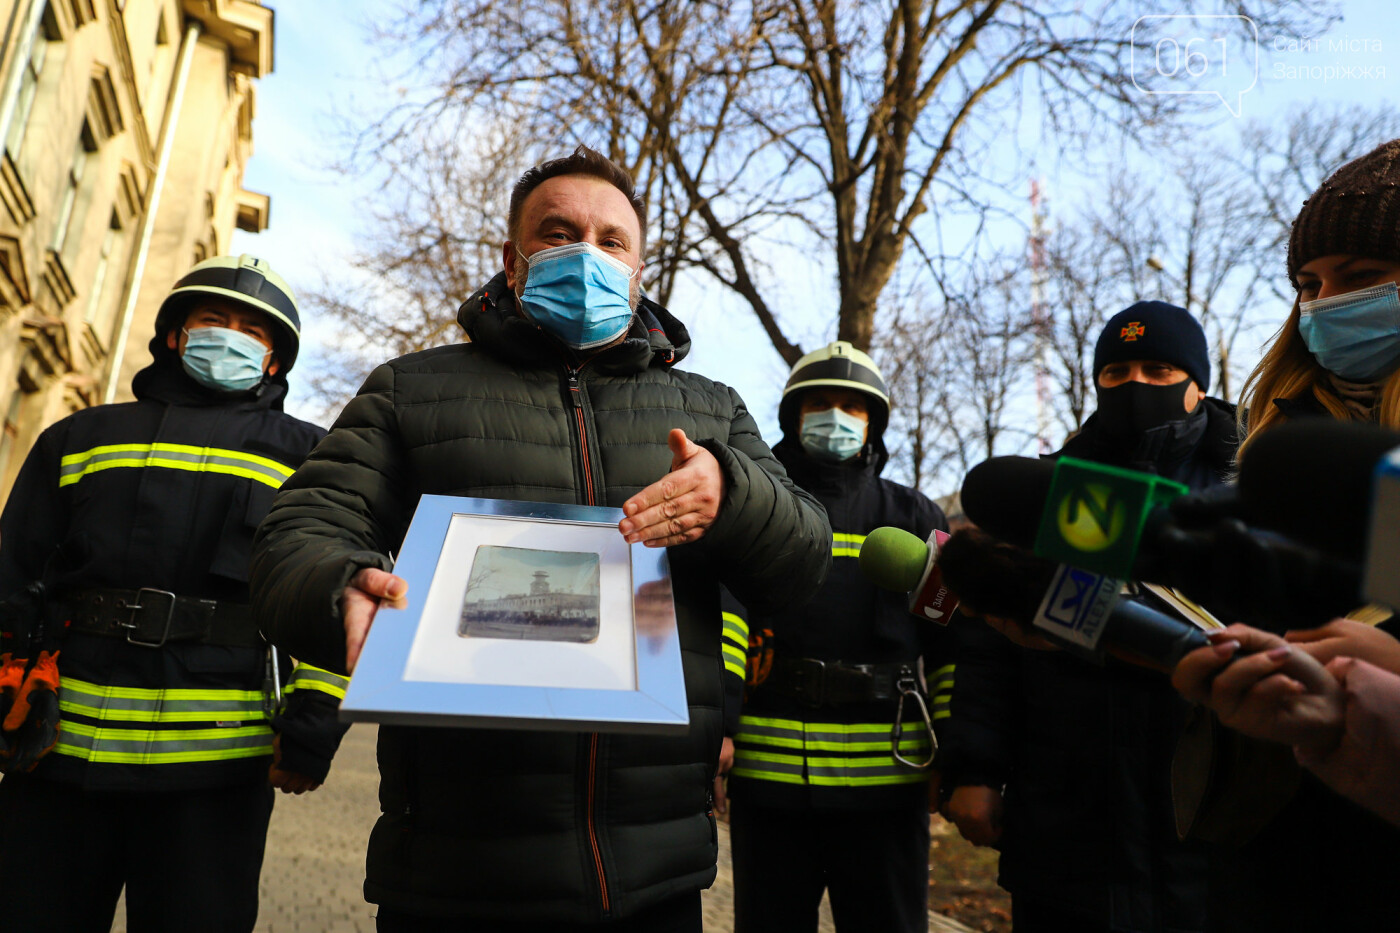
[1039,320]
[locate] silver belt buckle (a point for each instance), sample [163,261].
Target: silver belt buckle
[146,599]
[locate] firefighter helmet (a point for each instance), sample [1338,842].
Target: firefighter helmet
[836,365]
[244,280]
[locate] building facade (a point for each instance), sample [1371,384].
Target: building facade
[126,125]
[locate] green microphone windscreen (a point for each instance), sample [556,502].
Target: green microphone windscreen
[893,559]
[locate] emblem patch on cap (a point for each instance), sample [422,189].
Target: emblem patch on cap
[1133,331]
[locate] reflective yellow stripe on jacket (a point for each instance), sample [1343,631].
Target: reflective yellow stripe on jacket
[74,467]
[844,545]
[307,677]
[734,644]
[826,754]
[135,725]
[941,691]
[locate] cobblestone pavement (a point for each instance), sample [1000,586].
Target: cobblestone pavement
[315,862]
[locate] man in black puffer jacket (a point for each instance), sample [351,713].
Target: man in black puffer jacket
[1082,754]
[566,393]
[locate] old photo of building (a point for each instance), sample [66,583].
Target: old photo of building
[532,595]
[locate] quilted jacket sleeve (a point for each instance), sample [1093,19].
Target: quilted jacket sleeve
[346,508]
[771,542]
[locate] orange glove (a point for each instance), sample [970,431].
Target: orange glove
[11,677]
[31,723]
[760,659]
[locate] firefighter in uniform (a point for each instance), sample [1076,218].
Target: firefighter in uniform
[144,726]
[829,787]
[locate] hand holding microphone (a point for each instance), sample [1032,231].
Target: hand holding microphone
[1130,525]
[1343,720]
[1347,638]
[1260,685]
[1033,601]
[1365,763]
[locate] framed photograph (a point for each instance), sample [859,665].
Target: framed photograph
[524,615]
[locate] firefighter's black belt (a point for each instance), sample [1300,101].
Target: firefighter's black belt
[153,618]
[837,683]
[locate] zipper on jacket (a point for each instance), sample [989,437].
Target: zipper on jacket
[710,812]
[592,823]
[576,400]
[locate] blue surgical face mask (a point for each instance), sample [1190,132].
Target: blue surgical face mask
[579,294]
[224,359]
[832,435]
[1356,335]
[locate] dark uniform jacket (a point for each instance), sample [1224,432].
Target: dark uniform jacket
[164,492]
[790,753]
[538,826]
[1084,752]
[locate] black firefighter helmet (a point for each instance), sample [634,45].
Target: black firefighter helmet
[244,280]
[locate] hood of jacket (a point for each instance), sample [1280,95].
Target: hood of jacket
[817,476]
[491,317]
[165,380]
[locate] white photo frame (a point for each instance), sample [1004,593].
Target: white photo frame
[524,615]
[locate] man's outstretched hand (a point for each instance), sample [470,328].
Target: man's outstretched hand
[362,598]
[682,505]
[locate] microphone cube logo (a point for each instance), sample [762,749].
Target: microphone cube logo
[1076,606]
[1095,515]
[1091,517]
[1187,53]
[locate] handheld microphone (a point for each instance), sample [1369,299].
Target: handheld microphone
[1335,484]
[1078,610]
[1092,515]
[895,560]
[1116,522]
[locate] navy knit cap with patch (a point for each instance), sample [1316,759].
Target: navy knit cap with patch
[1155,330]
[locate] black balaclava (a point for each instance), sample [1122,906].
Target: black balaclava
[1130,410]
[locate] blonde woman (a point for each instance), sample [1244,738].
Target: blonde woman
[1320,863]
[1338,353]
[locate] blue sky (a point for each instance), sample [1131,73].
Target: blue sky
[322,61]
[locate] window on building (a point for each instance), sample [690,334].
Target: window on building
[73,185]
[98,302]
[46,33]
[159,65]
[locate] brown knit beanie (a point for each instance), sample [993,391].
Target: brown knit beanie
[1356,211]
